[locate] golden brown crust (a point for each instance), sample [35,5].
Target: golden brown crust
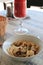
[24,48]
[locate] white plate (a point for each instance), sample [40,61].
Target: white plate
[8,42]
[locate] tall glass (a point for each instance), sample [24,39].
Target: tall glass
[20,14]
[3,24]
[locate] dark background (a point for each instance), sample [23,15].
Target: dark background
[34,3]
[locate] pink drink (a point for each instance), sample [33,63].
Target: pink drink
[20,8]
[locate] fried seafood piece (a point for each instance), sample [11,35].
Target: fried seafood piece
[29,45]
[21,52]
[18,53]
[24,51]
[30,53]
[24,44]
[24,47]
[35,48]
[13,49]
[18,43]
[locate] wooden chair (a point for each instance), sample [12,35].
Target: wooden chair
[4,4]
[9,9]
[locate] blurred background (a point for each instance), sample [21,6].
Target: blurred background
[30,3]
[38,3]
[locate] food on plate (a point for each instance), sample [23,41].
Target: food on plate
[23,48]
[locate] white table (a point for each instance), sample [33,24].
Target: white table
[35,26]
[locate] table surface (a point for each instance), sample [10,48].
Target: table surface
[35,27]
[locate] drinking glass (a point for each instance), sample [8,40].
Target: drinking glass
[20,14]
[3,23]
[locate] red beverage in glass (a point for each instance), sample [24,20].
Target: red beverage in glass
[20,8]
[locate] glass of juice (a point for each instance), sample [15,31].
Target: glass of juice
[3,23]
[20,13]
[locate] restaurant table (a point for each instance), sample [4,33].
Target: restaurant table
[34,24]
